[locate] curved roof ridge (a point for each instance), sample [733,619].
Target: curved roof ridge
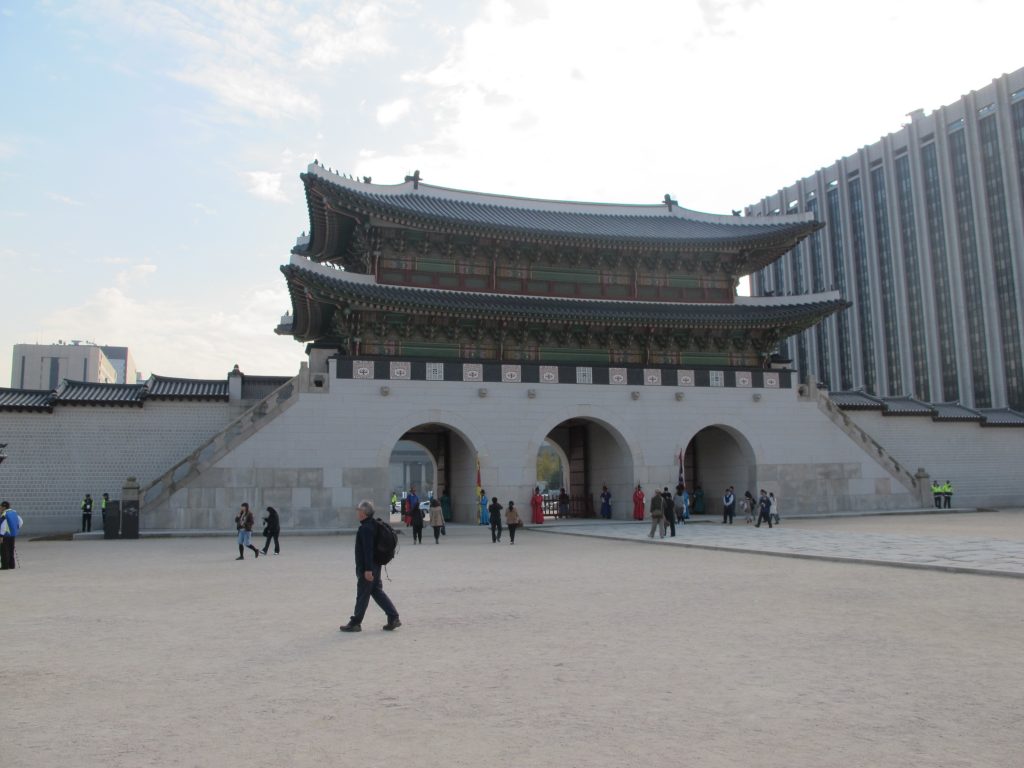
[637,210]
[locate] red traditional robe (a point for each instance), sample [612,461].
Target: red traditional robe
[638,504]
[537,508]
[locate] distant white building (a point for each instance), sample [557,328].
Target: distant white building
[44,366]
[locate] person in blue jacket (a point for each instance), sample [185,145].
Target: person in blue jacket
[10,525]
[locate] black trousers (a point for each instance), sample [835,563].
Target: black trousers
[277,544]
[375,589]
[437,534]
[6,553]
[495,529]
[86,522]
[727,513]
[671,518]
[417,532]
[764,517]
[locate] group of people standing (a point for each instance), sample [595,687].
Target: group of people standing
[764,509]
[942,493]
[87,505]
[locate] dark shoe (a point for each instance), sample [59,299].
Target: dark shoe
[392,624]
[240,557]
[257,553]
[350,627]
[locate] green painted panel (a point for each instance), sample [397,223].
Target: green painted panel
[431,349]
[561,355]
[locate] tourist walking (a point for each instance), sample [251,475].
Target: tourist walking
[606,503]
[657,515]
[87,513]
[764,506]
[774,512]
[436,519]
[728,506]
[669,508]
[537,506]
[10,526]
[368,583]
[494,512]
[512,518]
[416,516]
[638,503]
[244,522]
[272,530]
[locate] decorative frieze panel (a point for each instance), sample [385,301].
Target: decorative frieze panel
[390,369]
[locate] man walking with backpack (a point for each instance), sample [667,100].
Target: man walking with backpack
[368,574]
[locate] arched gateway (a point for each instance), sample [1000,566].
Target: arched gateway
[593,326]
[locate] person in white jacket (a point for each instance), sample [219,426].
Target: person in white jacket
[774,512]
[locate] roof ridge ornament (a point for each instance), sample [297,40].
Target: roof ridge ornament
[670,202]
[415,179]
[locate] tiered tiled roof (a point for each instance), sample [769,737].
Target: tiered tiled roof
[906,406]
[342,287]
[438,209]
[954,412]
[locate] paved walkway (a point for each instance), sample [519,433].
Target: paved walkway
[956,549]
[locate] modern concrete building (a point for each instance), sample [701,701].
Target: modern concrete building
[925,236]
[45,366]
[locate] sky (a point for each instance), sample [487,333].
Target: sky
[150,150]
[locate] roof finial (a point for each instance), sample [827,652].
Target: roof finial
[670,202]
[415,179]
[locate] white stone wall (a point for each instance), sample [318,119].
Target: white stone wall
[788,446]
[985,464]
[54,459]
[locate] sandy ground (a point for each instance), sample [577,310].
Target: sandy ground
[559,651]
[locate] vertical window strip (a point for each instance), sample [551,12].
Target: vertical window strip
[835,242]
[967,239]
[890,316]
[865,327]
[912,278]
[941,288]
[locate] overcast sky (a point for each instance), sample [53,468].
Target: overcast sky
[150,150]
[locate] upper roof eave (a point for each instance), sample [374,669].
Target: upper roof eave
[479,213]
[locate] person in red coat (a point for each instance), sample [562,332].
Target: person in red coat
[638,503]
[537,507]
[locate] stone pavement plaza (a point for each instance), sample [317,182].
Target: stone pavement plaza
[560,651]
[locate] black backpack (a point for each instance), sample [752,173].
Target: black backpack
[385,542]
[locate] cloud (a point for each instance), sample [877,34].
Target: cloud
[255,57]
[65,199]
[7,150]
[205,209]
[388,114]
[267,185]
[179,336]
[134,274]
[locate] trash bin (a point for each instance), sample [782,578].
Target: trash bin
[129,519]
[112,520]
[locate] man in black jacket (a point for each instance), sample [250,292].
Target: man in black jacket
[368,575]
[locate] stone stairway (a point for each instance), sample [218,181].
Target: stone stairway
[158,493]
[915,482]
